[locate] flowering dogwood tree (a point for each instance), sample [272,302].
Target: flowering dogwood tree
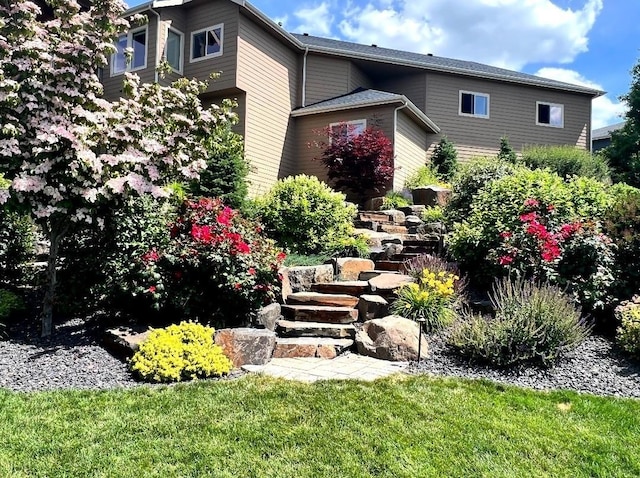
[67,151]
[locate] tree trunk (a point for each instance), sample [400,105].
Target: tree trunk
[56,233]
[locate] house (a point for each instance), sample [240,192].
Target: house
[291,86]
[601,137]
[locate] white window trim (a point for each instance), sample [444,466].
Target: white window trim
[182,44]
[474,93]
[212,55]
[128,68]
[357,122]
[549,125]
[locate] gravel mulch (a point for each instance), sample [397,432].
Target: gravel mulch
[596,367]
[72,359]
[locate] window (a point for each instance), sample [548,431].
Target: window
[136,41]
[206,43]
[173,49]
[550,114]
[474,104]
[349,129]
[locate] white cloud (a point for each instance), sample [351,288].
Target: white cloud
[315,20]
[506,33]
[605,111]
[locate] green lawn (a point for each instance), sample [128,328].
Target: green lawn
[259,427]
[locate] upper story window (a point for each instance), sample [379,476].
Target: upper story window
[348,129]
[474,104]
[174,48]
[549,114]
[207,43]
[136,41]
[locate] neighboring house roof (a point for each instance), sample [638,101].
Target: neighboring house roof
[605,132]
[435,63]
[366,98]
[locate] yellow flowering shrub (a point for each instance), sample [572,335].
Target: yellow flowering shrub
[431,297]
[179,352]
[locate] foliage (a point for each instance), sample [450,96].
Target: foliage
[622,225]
[180,352]
[432,214]
[423,176]
[303,214]
[628,334]
[227,169]
[356,245]
[506,152]
[623,154]
[469,181]
[360,163]
[532,324]
[567,161]
[217,266]
[431,298]
[395,200]
[444,159]
[294,259]
[497,209]
[67,151]
[10,303]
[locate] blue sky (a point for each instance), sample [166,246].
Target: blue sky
[590,42]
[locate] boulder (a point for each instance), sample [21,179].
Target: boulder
[372,306]
[390,338]
[431,196]
[246,346]
[386,284]
[374,204]
[125,341]
[413,210]
[412,221]
[300,278]
[349,268]
[390,250]
[395,216]
[268,315]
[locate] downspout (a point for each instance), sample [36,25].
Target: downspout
[395,133]
[156,62]
[304,77]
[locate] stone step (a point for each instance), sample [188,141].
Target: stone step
[420,242]
[318,313]
[386,284]
[366,275]
[405,256]
[351,287]
[316,298]
[394,266]
[321,347]
[425,249]
[375,216]
[392,229]
[295,328]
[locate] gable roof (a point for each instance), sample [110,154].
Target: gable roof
[434,63]
[605,131]
[361,98]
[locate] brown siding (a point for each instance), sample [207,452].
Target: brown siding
[175,17]
[512,113]
[202,15]
[357,79]
[327,78]
[413,87]
[268,72]
[113,84]
[311,134]
[410,149]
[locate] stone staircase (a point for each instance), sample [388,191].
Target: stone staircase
[321,314]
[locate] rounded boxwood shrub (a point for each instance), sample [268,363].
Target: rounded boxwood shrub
[567,161]
[532,324]
[179,352]
[304,215]
[10,303]
[628,334]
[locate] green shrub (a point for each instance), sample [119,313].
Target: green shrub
[506,152]
[351,246]
[303,214]
[532,324]
[430,298]
[423,176]
[10,303]
[567,161]
[179,352]
[432,214]
[471,178]
[628,334]
[622,225]
[445,159]
[394,200]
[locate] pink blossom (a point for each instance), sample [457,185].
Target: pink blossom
[531,202]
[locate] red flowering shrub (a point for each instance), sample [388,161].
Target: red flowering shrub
[361,163]
[216,268]
[575,255]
